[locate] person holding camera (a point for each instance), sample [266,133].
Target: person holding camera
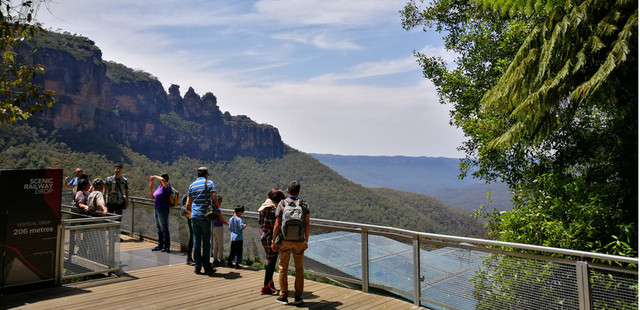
[161,207]
[202,197]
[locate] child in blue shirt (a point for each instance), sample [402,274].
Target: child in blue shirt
[236,226]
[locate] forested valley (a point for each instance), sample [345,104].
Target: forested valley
[246,181]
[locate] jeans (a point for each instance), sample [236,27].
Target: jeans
[190,245]
[202,242]
[115,208]
[218,247]
[286,248]
[272,259]
[162,222]
[236,252]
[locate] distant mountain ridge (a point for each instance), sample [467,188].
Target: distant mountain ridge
[120,105]
[433,176]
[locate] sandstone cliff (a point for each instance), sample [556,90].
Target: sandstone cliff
[108,102]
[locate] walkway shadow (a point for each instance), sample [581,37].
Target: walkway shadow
[322,304]
[315,304]
[229,276]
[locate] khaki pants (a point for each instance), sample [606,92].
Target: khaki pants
[286,248]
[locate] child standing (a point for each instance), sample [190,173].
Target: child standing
[236,226]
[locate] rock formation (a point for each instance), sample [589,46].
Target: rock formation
[106,100]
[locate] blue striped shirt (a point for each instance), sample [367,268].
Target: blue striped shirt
[201,197]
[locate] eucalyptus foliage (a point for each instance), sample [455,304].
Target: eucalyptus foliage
[546,94]
[20,94]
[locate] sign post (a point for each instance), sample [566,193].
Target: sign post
[29,216]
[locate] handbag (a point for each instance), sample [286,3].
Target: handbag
[183,212]
[213,213]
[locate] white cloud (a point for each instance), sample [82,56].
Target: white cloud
[322,40]
[326,12]
[277,62]
[373,69]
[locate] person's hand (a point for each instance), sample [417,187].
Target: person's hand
[274,246]
[306,246]
[66,179]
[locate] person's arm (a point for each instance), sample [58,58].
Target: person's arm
[222,220]
[102,205]
[67,184]
[126,202]
[161,179]
[244,225]
[187,207]
[84,207]
[276,229]
[307,230]
[151,188]
[80,205]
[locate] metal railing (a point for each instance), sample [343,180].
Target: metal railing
[87,245]
[438,271]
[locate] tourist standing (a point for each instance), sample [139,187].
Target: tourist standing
[292,219]
[266,220]
[202,196]
[236,226]
[117,189]
[161,208]
[218,238]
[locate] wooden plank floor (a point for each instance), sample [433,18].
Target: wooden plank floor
[177,287]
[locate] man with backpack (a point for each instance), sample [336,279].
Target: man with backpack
[117,191]
[292,226]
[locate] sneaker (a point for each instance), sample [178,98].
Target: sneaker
[238,266]
[166,250]
[282,300]
[210,272]
[197,272]
[190,261]
[217,262]
[267,290]
[156,249]
[297,301]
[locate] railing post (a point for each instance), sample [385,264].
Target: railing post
[416,270]
[365,259]
[584,293]
[59,267]
[133,208]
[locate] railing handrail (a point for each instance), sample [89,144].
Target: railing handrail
[487,242]
[471,240]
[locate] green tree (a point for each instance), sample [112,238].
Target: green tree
[20,94]
[546,93]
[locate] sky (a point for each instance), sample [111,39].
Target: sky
[334,76]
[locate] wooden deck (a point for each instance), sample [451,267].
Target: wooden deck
[177,287]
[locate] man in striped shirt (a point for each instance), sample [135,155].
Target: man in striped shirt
[202,197]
